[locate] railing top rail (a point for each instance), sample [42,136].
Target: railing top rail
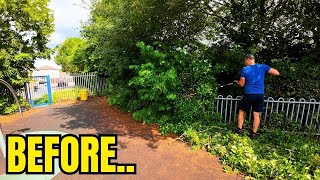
[272,100]
[293,102]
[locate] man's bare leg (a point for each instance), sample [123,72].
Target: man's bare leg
[241,116]
[256,121]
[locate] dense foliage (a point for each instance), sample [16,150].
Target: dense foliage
[282,34]
[116,26]
[298,80]
[25,28]
[164,60]
[66,54]
[9,106]
[170,86]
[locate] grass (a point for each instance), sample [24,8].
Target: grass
[64,94]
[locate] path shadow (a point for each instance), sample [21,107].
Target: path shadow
[97,115]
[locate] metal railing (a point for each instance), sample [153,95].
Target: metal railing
[302,111]
[69,85]
[43,90]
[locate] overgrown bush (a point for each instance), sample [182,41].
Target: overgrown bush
[280,121]
[169,86]
[9,106]
[176,89]
[297,80]
[6,106]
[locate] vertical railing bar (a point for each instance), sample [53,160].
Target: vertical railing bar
[307,118]
[288,107]
[100,84]
[218,100]
[312,115]
[317,119]
[298,112]
[277,106]
[97,85]
[86,77]
[77,82]
[83,77]
[60,88]
[93,86]
[304,105]
[65,94]
[292,111]
[87,81]
[230,114]
[235,110]
[90,85]
[314,108]
[318,113]
[74,93]
[212,113]
[226,111]
[221,109]
[271,110]
[68,91]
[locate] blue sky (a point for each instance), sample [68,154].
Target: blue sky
[68,15]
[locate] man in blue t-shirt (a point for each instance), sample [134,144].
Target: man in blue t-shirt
[252,78]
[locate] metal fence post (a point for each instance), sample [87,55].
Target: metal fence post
[49,89]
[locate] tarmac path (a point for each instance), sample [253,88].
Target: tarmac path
[138,143]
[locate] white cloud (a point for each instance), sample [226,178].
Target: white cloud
[68,15]
[56,38]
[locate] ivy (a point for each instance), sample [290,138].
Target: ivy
[275,155]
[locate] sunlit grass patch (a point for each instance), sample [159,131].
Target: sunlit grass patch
[64,94]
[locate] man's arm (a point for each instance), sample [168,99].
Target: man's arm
[274,72]
[241,82]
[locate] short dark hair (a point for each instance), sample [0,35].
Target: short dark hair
[249,56]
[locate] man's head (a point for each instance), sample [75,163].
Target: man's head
[249,60]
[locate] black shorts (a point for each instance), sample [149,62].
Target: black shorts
[254,100]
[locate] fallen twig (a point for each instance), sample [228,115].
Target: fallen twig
[176,139]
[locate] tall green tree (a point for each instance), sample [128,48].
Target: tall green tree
[25,28]
[66,54]
[116,26]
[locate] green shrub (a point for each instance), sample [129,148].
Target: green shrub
[296,80]
[170,86]
[177,88]
[9,106]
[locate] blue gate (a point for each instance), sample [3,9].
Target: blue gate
[39,91]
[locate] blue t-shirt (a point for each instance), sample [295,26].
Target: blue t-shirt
[254,76]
